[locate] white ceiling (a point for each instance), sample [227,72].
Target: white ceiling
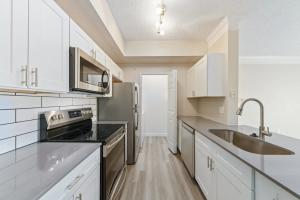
[267,27]
[185,19]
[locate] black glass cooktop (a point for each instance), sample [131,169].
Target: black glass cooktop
[84,131]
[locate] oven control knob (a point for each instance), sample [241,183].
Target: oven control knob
[60,116]
[54,117]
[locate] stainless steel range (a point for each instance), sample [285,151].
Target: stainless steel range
[76,126]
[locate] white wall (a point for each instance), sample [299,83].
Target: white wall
[278,87]
[185,106]
[155,105]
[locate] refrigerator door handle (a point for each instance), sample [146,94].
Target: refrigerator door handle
[136,95]
[137,121]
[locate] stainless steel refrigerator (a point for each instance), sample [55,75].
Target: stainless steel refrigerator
[124,106]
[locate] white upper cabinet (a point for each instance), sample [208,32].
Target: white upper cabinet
[13,43]
[207,77]
[116,71]
[100,56]
[34,45]
[78,38]
[48,46]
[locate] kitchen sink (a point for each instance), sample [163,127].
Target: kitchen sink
[249,143]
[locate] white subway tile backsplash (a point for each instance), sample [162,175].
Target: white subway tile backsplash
[70,107]
[93,101]
[26,139]
[13,102]
[7,116]
[54,101]
[31,114]
[7,145]
[81,101]
[19,114]
[10,130]
[78,95]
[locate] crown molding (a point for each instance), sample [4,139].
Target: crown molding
[217,32]
[268,60]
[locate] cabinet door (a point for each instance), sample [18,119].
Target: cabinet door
[266,189]
[227,186]
[78,38]
[203,174]
[48,46]
[191,82]
[13,43]
[202,81]
[90,189]
[100,55]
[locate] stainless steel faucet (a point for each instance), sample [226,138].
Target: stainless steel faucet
[263,131]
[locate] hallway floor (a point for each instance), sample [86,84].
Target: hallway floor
[159,175]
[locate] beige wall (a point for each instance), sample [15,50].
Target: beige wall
[185,107]
[223,109]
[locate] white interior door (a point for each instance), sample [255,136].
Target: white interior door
[172,111]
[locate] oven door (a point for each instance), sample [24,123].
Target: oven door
[86,74]
[114,167]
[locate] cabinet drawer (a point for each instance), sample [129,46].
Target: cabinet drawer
[239,169]
[199,138]
[74,179]
[266,189]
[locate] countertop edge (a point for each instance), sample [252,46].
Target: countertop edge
[235,155]
[42,193]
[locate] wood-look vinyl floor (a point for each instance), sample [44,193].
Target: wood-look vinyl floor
[159,175]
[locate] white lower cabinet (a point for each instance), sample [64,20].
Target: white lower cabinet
[81,183]
[266,189]
[90,189]
[218,178]
[203,172]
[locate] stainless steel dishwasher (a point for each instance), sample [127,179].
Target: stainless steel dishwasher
[188,148]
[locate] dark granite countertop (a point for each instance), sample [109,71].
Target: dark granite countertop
[29,172]
[284,170]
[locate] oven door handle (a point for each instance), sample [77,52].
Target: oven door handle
[109,146]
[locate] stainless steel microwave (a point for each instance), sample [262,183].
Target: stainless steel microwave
[87,74]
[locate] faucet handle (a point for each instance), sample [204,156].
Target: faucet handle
[266,131]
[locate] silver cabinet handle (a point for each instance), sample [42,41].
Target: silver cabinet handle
[211,167]
[208,159]
[79,197]
[34,73]
[24,72]
[76,180]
